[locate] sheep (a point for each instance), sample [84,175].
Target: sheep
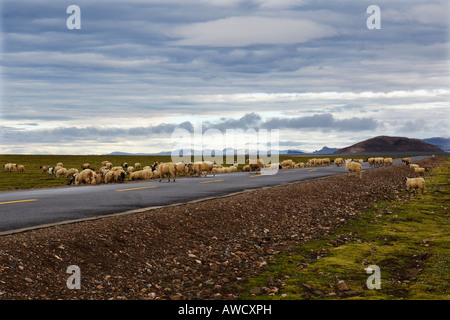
[44,169]
[216,170]
[109,177]
[156,174]
[108,165]
[354,167]
[85,166]
[138,175]
[169,169]
[287,164]
[415,183]
[86,176]
[61,172]
[181,166]
[255,164]
[371,162]
[406,161]
[71,172]
[50,170]
[119,175]
[141,175]
[246,168]
[21,168]
[99,177]
[130,169]
[413,165]
[326,161]
[137,165]
[124,165]
[205,167]
[299,165]
[55,170]
[103,170]
[59,164]
[339,161]
[388,161]
[10,167]
[419,171]
[104,163]
[379,161]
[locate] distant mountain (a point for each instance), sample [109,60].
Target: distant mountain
[326,150]
[293,152]
[226,151]
[443,143]
[119,153]
[390,144]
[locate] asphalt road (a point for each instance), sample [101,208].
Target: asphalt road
[33,208]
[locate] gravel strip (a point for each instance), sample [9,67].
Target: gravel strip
[204,250]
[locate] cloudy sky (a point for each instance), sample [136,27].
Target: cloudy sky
[137,70]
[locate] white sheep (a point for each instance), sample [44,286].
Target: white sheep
[415,183]
[181,166]
[339,161]
[109,177]
[44,168]
[354,167]
[71,172]
[85,166]
[419,171]
[388,161]
[406,161]
[61,172]
[141,175]
[87,176]
[169,169]
[255,164]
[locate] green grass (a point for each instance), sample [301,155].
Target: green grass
[409,242]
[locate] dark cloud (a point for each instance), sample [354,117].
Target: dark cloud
[248,121]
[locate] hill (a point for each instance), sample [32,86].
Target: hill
[326,150]
[443,143]
[389,144]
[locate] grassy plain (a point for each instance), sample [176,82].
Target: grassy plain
[407,238]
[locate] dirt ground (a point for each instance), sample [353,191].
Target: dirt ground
[203,250]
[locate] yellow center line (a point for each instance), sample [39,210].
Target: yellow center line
[258,175]
[211,181]
[312,170]
[17,201]
[137,188]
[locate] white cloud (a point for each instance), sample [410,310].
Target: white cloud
[250,30]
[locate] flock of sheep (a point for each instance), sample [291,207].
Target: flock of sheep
[14,167]
[108,173]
